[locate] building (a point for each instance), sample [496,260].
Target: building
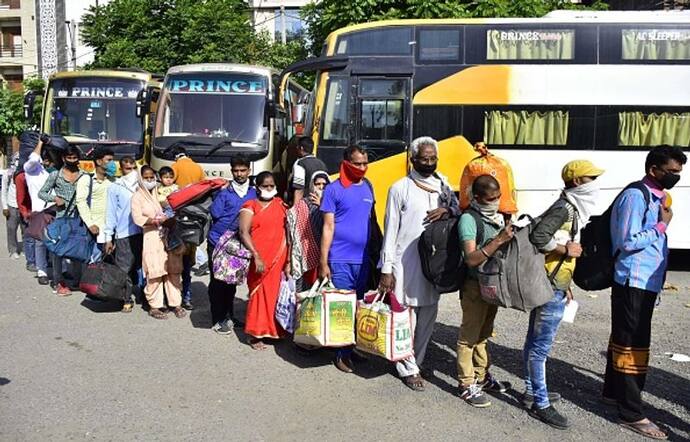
[279,18]
[18,50]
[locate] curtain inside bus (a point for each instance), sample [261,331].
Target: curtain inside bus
[638,129]
[530,45]
[523,127]
[650,44]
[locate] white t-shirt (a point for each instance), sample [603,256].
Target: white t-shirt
[36,176]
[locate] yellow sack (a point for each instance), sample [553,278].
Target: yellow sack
[326,316]
[489,164]
[384,330]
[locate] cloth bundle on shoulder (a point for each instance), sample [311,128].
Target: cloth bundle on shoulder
[230,260]
[384,327]
[194,192]
[489,164]
[514,276]
[326,316]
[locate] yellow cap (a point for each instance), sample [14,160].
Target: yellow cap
[578,169]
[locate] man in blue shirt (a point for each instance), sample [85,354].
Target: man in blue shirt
[347,206]
[638,236]
[225,211]
[122,235]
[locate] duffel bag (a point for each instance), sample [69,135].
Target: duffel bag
[68,237]
[105,281]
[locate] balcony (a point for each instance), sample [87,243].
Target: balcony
[11,51]
[9,4]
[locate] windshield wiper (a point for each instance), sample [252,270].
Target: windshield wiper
[230,143]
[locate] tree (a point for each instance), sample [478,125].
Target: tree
[12,121]
[327,16]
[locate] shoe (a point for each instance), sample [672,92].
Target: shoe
[550,416]
[187,305]
[31,267]
[202,270]
[491,385]
[62,289]
[14,255]
[343,364]
[527,400]
[222,328]
[473,395]
[43,280]
[127,307]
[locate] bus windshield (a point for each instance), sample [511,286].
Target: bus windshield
[96,109]
[211,108]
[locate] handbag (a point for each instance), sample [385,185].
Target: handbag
[68,237]
[384,327]
[38,222]
[325,316]
[230,260]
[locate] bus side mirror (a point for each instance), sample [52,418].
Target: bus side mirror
[141,103]
[29,100]
[298,113]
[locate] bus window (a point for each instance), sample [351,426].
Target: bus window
[653,129]
[522,127]
[391,41]
[523,44]
[382,120]
[438,122]
[655,44]
[438,45]
[335,119]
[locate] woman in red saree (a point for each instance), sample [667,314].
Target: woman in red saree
[262,230]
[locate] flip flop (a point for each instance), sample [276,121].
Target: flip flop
[646,429]
[157,313]
[414,382]
[257,344]
[179,312]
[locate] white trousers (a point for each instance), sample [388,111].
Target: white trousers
[423,321]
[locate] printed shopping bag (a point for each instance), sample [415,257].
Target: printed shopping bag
[326,316]
[287,304]
[384,327]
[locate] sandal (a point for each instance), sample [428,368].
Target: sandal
[645,427]
[414,382]
[257,344]
[179,312]
[127,307]
[158,313]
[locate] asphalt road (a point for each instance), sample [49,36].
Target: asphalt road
[73,369]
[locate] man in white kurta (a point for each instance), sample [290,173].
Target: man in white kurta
[413,202]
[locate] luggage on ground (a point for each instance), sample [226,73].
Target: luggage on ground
[489,164]
[325,316]
[104,281]
[194,192]
[384,327]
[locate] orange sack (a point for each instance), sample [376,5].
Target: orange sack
[489,164]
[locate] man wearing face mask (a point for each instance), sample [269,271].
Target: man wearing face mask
[60,188]
[122,236]
[557,234]
[477,315]
[225,211]
[640,249]
[92,196]
[413,202]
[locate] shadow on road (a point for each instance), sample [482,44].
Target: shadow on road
[4,381]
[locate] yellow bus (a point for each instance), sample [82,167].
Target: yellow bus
[542,91]
[99,108]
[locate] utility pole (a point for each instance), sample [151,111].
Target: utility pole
[72,28]
[283,22]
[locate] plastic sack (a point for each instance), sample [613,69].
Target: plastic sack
[286,306]
[384,327]
[325,316]
[489,164]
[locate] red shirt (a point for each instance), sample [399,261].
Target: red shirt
[23,197]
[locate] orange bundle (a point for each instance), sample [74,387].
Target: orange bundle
[489,164]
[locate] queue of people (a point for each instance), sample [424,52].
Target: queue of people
[330,232]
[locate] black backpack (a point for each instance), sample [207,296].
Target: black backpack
[191,223]
[440,253]
[595,267]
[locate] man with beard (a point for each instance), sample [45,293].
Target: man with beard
[420,198]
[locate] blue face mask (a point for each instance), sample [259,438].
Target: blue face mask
[110,168]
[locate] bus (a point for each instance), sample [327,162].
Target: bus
[605,86]
[98,108]
[217,110]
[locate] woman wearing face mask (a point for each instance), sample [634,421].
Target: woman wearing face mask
[305,223]
[262,230]
[162,269]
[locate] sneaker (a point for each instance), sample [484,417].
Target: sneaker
[527,400]
[31,267]
[202,270]
[491,385]
[62,289]
[15,255]
[222,328]
[187,305]
[43,280]
[550,416]
[473,395]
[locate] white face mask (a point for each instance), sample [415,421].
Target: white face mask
[268,194]
[150,185]
[130,178]
[584,197]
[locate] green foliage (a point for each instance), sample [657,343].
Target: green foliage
[12,120]
[326,16]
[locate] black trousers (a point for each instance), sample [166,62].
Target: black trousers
[128,253]
[221,295]
[627,359]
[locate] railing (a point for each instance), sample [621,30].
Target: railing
[11,51]
[9,4]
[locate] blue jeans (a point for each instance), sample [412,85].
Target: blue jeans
[41,255]
[186,278]
[97,253]
[349,277]
[543,325]
[29,249]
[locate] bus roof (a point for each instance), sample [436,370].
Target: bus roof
[112,73]
[222,67]
[552,17]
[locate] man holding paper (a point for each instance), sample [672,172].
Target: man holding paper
[557,234]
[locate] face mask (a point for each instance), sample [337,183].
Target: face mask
[267,194]
[150,185]
[487,209]
[424,168]
[318,192]
[130,179]
[668,180]
[72,165]
[349,173]
[50,169]
[110,168]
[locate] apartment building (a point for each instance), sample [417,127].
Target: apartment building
[280,18]
[18,51]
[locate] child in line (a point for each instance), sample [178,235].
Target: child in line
[165,188]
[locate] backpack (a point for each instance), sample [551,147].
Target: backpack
[514,276]
[192,222]
[595,267]
[440,252]
[489,164]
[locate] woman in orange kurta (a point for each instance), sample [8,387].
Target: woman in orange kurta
[262,230]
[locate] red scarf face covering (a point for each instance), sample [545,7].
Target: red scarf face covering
[350,174]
